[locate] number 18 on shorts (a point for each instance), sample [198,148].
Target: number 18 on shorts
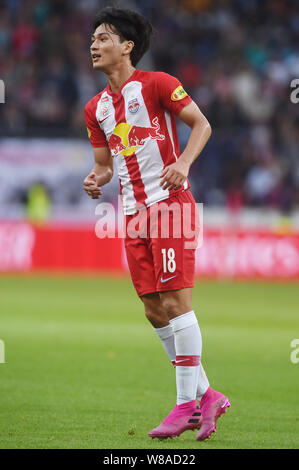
[162,263]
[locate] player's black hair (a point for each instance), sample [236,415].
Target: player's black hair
[130,26]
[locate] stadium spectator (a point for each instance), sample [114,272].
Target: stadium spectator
[236,58]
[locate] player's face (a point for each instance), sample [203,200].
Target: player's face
[106,48]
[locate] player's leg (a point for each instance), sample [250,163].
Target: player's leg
[173,274]
[174,262]
[181,301]
[141,265]
[176,301]
[174,266]
[188,341]
[188,345]
[154,310]
[156,315]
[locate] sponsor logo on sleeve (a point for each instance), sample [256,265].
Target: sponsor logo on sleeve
[88,132]
[104,111]
[178,94]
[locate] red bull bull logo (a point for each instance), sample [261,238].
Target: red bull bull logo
[133,106]
[126,138]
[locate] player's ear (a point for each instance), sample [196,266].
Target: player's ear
[128,47]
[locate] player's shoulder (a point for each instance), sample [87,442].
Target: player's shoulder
[155,76]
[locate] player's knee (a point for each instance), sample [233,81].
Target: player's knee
[150,315]
[154,310]
[172,307]
[155,316]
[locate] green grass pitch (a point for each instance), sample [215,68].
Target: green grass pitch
[84,369]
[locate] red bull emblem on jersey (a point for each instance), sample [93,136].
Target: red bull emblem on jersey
[126,138]
[133,106]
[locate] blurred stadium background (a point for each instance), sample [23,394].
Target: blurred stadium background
[236,58]
[71,341]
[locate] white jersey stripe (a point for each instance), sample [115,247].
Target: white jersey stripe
[106,102]
[148,154]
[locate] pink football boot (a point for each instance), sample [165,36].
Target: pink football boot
[180,419]
[212,405]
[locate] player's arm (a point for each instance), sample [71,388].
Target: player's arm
[174,175]
[101,173]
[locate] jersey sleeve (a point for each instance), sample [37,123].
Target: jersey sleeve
[171,93]
[96,135]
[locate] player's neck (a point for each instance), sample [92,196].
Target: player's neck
[119,76]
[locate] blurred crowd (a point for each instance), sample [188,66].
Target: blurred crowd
[236,58]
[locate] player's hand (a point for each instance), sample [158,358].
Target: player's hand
[91,187]
[174,175]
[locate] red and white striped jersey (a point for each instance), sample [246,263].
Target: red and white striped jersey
[138,125]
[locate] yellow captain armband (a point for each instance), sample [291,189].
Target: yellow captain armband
[178,94]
